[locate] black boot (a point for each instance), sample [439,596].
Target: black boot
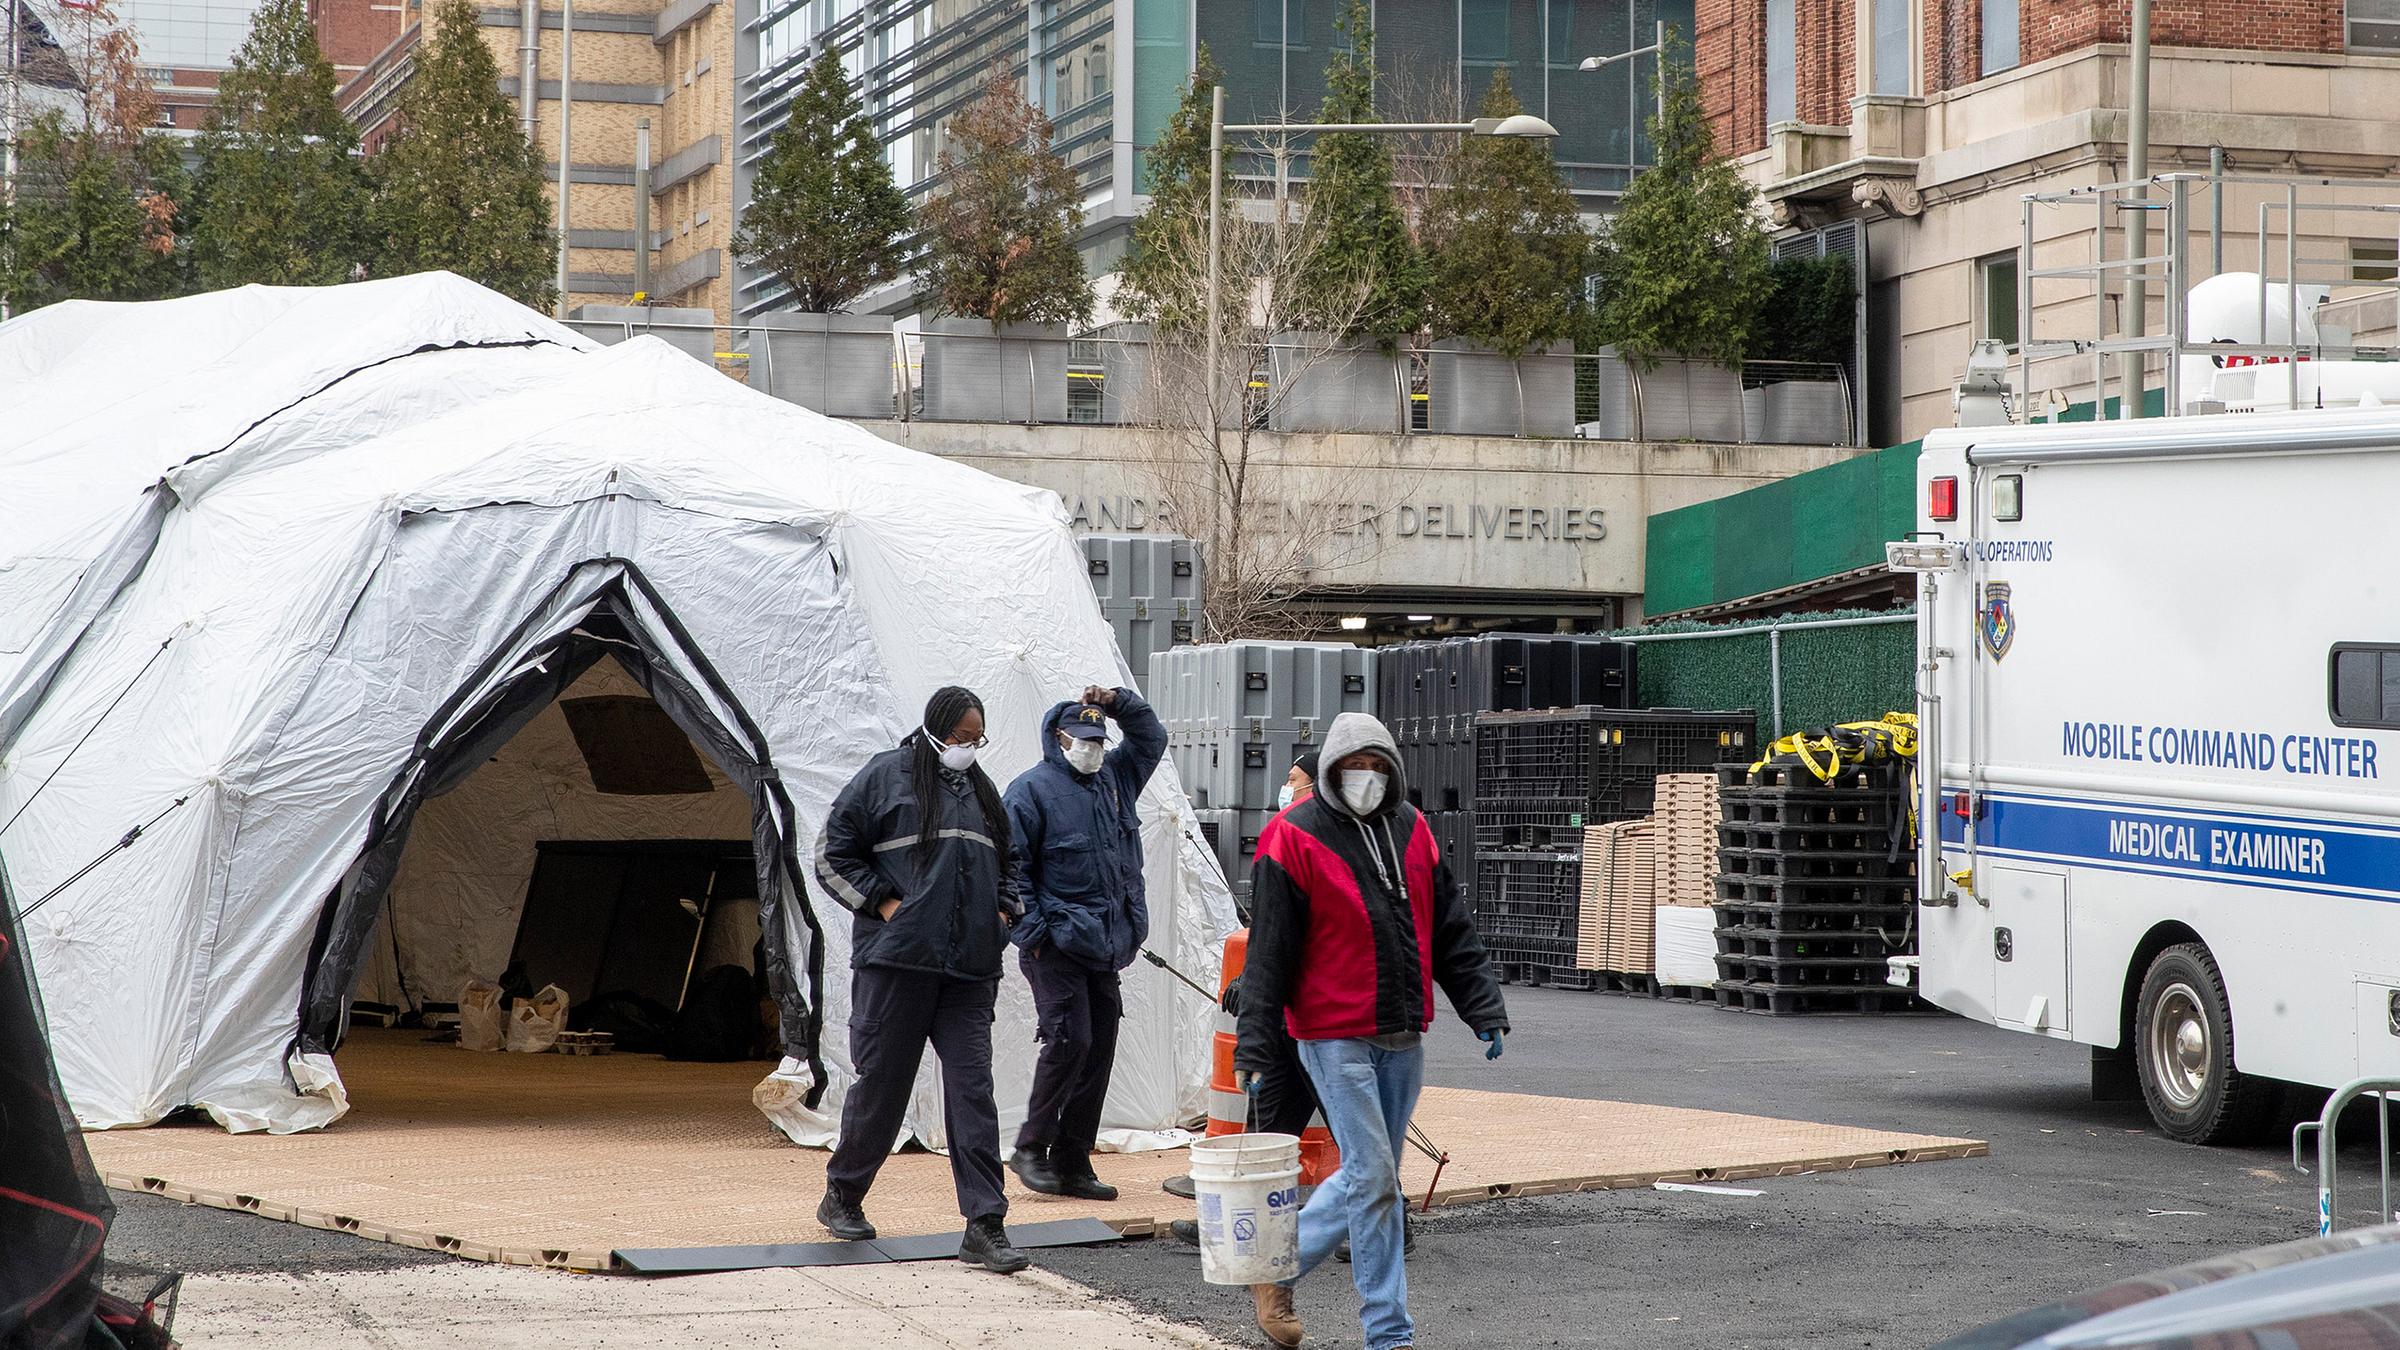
[1076,1178]
[1031,1163]
[986,1244]
[843,1218]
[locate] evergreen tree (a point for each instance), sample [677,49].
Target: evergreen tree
[96,207]
[1350,190]
[1687,257]
[1505,250]
[1001,231]
[458,186]
[824,214]
[1154,285]
[93,220]
[281,197]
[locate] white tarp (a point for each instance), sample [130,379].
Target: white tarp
[327,510]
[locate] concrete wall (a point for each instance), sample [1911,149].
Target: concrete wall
[1433,514]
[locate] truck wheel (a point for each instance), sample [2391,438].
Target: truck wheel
[2183,1047]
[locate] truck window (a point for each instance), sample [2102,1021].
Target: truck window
[2365,685]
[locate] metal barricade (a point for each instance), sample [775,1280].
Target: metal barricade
[2327,1127]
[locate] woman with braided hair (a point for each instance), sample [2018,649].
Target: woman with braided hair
[917,848]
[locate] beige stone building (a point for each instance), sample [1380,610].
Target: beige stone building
[669,62]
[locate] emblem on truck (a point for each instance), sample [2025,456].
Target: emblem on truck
[1999,619]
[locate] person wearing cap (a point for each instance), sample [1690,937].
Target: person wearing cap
[1354,919]
[917,848]
[1072,819]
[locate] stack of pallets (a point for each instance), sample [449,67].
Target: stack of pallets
[1816,888]
[1620,886]
[1688,815]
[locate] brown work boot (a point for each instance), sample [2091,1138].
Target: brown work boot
[1277,1319]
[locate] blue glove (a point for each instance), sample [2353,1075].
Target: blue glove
[1491,1043]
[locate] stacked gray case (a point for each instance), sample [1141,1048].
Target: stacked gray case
[1239,713]
[1148,586]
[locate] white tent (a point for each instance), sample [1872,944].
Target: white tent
[281,568]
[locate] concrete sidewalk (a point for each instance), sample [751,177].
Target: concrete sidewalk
[930,1305]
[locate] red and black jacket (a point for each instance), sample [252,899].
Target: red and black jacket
[1338,950]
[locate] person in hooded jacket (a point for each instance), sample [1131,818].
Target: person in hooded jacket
[917,848]
[1354,918]
[1073,823]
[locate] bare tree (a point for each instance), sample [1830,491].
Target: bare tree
[1420,159]
[1272,526]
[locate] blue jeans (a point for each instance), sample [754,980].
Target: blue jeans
[1368,1095]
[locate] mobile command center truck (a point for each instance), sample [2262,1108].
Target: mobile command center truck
[2159,671]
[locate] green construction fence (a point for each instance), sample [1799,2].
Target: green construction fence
[1848,666]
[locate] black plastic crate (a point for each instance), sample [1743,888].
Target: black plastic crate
[1814,920]
[1543,822]
[1891,892]
[1801,806]
[1600,753]
[1782,1001]
[1858,865]
[1802,972]
[1854,944]
[1539,975]
[1885,838]
[1882,776]
[1528,906]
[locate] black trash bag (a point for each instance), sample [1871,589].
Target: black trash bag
[54,1212]
[719,1021]
[638,1025]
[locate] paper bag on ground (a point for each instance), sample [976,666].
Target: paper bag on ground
[479,1016]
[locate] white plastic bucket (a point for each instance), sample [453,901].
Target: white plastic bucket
[1248,1188]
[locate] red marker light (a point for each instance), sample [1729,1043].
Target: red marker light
[1961,805]
[1941,499]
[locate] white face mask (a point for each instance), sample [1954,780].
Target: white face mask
[1363,791]
[956,758]
[1084,756]
[1283,799]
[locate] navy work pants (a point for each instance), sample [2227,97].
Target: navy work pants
[893,1015]
[1078,1010]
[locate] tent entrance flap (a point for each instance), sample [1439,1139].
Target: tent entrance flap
[603,608]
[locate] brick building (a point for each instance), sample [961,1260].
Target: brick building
[1910,130]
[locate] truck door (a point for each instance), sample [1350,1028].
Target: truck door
[2029,947]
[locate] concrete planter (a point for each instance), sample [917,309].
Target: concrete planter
[975,372]
[1615,414]
[694,331]
[1686,400]
[1479,392]
[836,364]
[1321,383]
[1128,387]
[1797,412]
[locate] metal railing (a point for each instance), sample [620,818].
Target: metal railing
[2295,215]
[1301,386]
[2328,1172]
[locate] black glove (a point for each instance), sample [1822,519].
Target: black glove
[1231,1001]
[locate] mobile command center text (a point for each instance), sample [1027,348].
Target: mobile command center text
[2210,748]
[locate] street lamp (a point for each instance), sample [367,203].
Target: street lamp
[1658,45]
[1521,126]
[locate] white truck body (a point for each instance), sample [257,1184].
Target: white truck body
[2146,738]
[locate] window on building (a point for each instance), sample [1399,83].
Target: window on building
[2374,25]
[1999,35]
[2374,260]
[1096,70]
[1996,298]
[1266,22]
[2364,685]
[1893,67]
[1783,71]
[1483,30]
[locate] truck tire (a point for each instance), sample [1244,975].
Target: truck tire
[2183,1048]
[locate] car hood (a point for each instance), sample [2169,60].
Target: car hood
[2350,1281]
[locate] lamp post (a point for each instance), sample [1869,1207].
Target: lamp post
[1524,126]
[1658,44]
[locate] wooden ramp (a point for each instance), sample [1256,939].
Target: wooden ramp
[559,1160]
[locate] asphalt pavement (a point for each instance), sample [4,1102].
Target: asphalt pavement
[2075,1194]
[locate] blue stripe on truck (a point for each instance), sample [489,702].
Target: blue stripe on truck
[2238,848]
